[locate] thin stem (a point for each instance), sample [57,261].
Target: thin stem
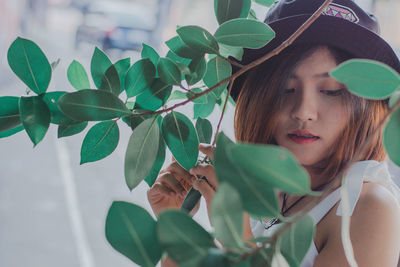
[186,89]
[233,62]
[223,111]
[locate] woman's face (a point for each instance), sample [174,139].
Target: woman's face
[313,114]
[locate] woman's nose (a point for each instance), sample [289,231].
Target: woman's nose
[305,108]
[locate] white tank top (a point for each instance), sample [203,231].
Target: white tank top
[362,171]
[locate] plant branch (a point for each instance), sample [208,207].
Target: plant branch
[253,64]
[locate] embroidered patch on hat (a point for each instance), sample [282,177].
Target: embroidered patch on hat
[342,12]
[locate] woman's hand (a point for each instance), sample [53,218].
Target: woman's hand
[170,188]
[174,182]
[206,188]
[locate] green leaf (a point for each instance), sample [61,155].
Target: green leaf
[181,138]
[182,238]
[246,33]
[227,216]
[198,69]
[295,241]
[131,231]
[252,14]
[199,39]
[231,51]
[10,132]
[169,71]
[30,64]
[181,49]
[200,100]
[110,81]
[57,116]
[35,116]
[231,9]
[258,197]
[139,77]
[391,140]
[141,152]
[262,258]
[176,95]
[150,53]
[130,105]
[275,165]
[100,141]
[77,76]
[222,100]
[122,67]
[204,130]
[155,169]
[183,68]
[154,97]
[266,3]
[133,122]
[177,58]
[215,257]
[9,113]
[92,105]
[367,78]
[218,69]
[204,110]
[71,129]
[98,66]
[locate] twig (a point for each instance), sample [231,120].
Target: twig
[186,89]
[223,111]
[234,63]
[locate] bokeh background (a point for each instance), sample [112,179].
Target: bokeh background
[52,210]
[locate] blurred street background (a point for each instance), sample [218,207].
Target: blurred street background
[53,210]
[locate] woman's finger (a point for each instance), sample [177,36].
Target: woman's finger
[205,189]
[159,188]
[167,179]
[183,176]
[206,170]
[207,150]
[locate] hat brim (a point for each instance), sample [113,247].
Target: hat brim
[326,30]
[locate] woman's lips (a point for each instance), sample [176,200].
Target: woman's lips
[302,140]
[302,136]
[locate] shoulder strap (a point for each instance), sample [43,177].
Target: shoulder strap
[319,211]
[354,180]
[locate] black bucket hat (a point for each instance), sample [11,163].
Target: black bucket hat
[343,24]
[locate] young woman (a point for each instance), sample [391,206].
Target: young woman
[291,101]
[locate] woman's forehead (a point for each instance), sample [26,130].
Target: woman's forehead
[317,65]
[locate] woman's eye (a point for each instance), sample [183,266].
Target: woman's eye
[333,92]
[288,91]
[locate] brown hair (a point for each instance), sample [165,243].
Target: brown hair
[258,103]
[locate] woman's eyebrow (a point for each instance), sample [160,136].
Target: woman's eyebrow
[318,75]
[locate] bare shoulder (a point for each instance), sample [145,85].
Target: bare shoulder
[376,202]
[374,231]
